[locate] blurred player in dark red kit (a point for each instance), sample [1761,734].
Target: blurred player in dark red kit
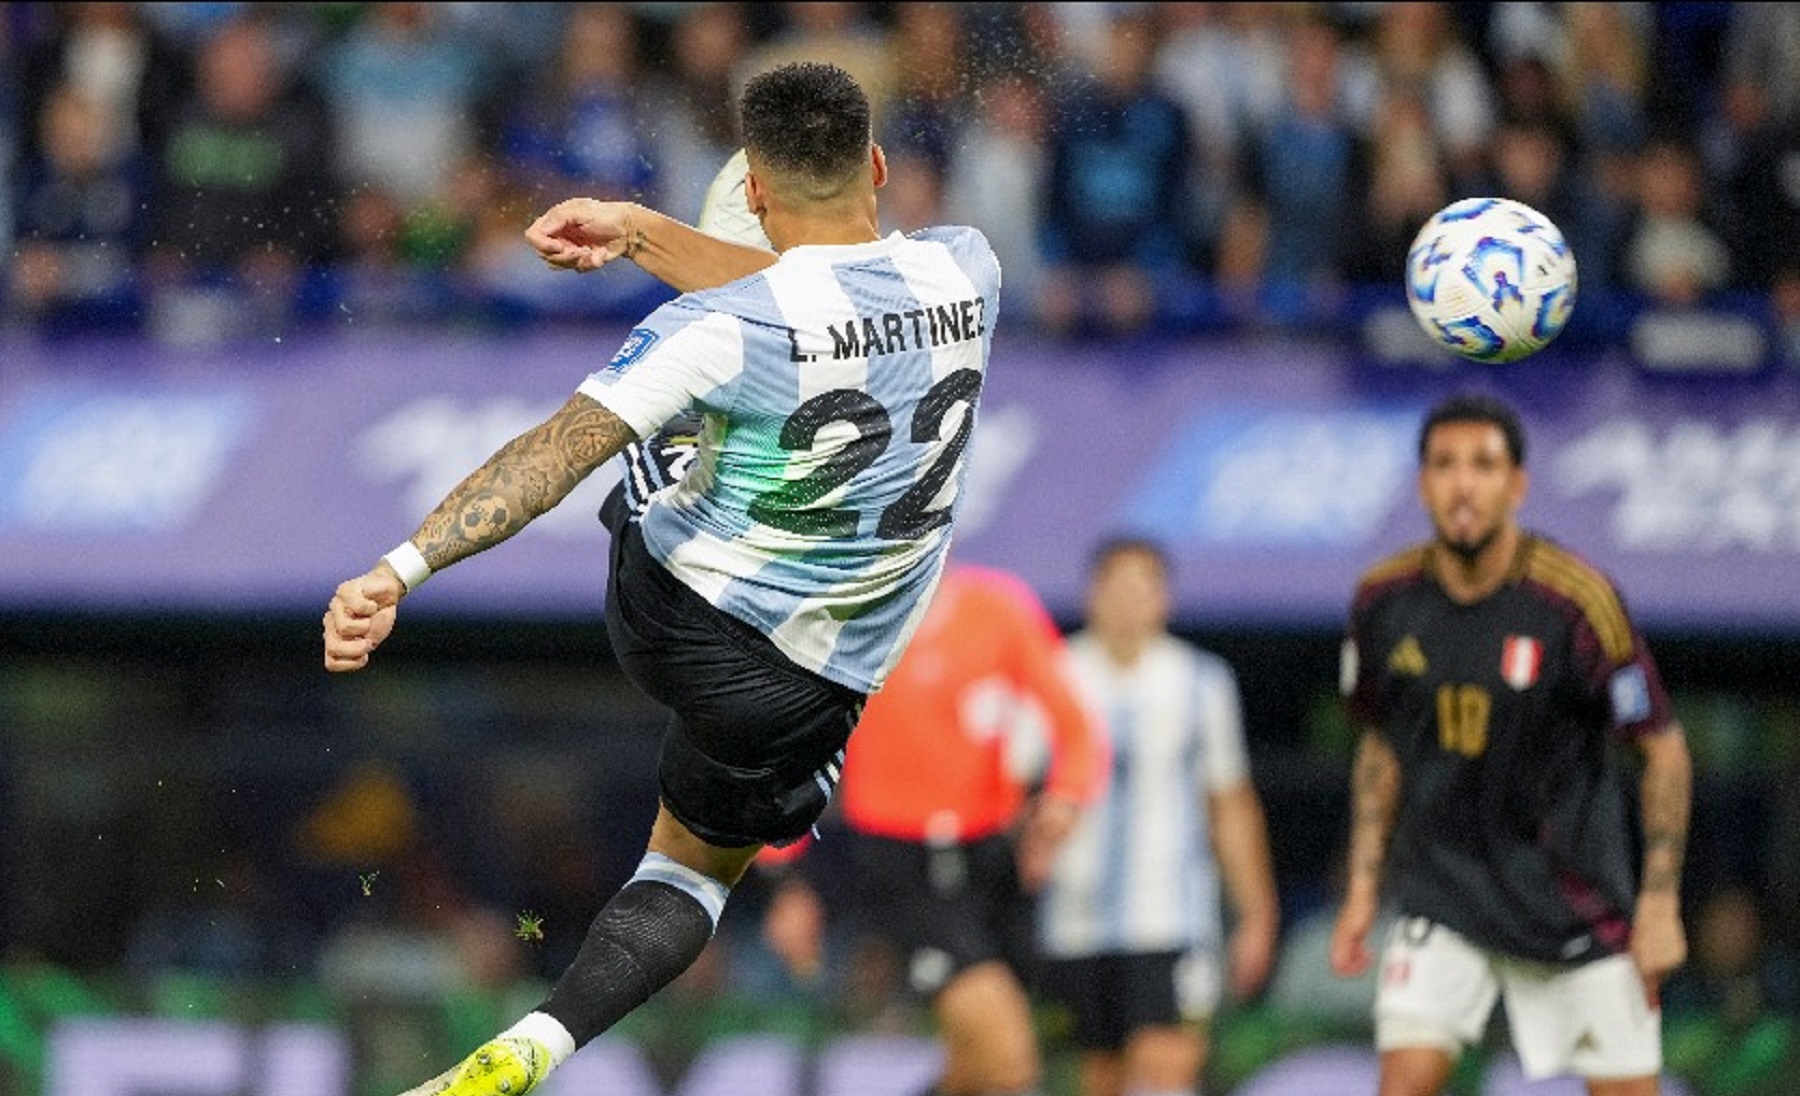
[1493,672]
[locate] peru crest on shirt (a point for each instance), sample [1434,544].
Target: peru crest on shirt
[1520,659]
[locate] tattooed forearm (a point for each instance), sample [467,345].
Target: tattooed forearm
[1667,799]
[526,477]
[1374,793]
[635,237]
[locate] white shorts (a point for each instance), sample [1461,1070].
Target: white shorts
[1437,990]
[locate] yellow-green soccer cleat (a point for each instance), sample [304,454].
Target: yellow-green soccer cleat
[500,1067]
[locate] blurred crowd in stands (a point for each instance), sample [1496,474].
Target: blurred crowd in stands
[187,170]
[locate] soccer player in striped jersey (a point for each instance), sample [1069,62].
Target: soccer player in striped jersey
[1493,673]
[769,590]
[951,843]
[1130,923]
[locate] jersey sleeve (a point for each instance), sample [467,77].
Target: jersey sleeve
[1356,667]
[1636,697]
[1619,670]
[680,357]
[974,255]
[1080,752]
[1363,657]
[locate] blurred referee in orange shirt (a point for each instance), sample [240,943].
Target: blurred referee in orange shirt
[968,769]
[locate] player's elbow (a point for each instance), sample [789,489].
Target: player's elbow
[1667,749]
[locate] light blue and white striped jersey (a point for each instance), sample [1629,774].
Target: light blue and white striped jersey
[1138,873]
[837,391]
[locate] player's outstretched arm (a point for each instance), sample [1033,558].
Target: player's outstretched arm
[584,234]
[525,478]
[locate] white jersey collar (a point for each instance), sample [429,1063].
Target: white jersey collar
[842,252]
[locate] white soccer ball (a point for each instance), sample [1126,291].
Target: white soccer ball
[1490,279]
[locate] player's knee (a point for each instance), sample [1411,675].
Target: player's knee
[1011,1063]
[991,1047]
[1414,1071]
[1164,1058]
[1016,1076]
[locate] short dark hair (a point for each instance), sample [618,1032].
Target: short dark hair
[1482,408]
[810,122]
[1121,544]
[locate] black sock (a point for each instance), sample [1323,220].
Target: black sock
[649,933]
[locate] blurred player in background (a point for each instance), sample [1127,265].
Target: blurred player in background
[1131,919]
[966,773]
[1492,672]
[765,594]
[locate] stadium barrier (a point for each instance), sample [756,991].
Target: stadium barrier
[207,1037]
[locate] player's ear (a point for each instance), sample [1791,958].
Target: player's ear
[755,197]
[878,171]
[1520,485]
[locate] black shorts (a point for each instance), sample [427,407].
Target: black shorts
[756,744]
[945,909]
[1112,996]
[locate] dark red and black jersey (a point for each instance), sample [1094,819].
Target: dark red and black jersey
[1513,825]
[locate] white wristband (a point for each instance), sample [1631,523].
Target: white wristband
[410,563]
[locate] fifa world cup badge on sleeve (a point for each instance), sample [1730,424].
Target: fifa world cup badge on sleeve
[1347,667]
[637,344]
[1630,695]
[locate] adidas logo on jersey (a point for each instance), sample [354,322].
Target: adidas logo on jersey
[1407,658]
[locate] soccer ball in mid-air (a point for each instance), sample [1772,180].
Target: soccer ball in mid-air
[1491,279]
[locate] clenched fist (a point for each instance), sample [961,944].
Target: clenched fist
[360,616]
